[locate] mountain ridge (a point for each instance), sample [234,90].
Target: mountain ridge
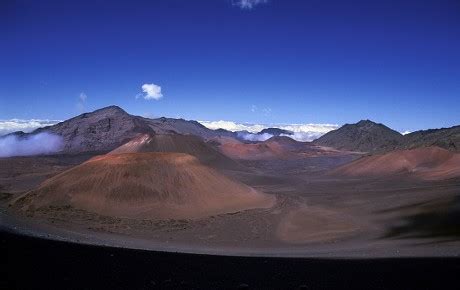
[364,136]
[107,128]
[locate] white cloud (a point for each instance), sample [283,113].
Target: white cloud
[406,132]
[255,137]
[232,126]
[81,102]
[83,97]
[152,92]
[41,143]
[304,136]
[302,132]
[298,136]
[304,128]
[12,125]
[267,111]
[248,4]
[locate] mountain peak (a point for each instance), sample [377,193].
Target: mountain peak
[366,122]
[365,136]
[275,131]
[110,109]
[281,139]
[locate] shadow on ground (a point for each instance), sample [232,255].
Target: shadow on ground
[33,263]
[438,218]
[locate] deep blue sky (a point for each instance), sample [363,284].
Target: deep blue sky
[309,61]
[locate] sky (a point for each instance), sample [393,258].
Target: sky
[282,62]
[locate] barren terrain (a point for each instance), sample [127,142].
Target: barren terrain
[315,213]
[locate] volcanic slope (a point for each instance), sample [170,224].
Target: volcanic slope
[428,163]
[288,143]
[107,128]
[447,138]
[275,148]
[101,130]
[364,136]
[145,186]
[189,144]
[238,150]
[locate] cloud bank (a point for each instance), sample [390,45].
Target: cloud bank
[255,137]
[152,92]
[13,125]
[302,132]
[248,4]
[232,126]
[41,143]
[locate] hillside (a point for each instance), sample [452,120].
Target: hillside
[144,186]
[429,163]
[101,130]
[108,128]
[167,125]
[189,144]
[275,148]
[364,136]
[448,138]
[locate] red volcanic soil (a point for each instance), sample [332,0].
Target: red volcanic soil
[284,140]
[254,151]
[278,147]
[429,163]
[188,144]
[236,149]
[146,185]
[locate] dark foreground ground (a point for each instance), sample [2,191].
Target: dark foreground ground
[34,263]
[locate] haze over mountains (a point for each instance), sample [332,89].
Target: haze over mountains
[108,128]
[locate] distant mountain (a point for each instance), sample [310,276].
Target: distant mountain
[101,130]
[367,136]
[110,127]
[167,125]
[19,134]
[275,131]
[289,144]
[364,136]
[447,138]
[260,136]
[283,140]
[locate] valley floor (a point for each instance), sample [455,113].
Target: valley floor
[315,216]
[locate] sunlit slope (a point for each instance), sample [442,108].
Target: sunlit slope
[429,163]
[146,185]
[177,143]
